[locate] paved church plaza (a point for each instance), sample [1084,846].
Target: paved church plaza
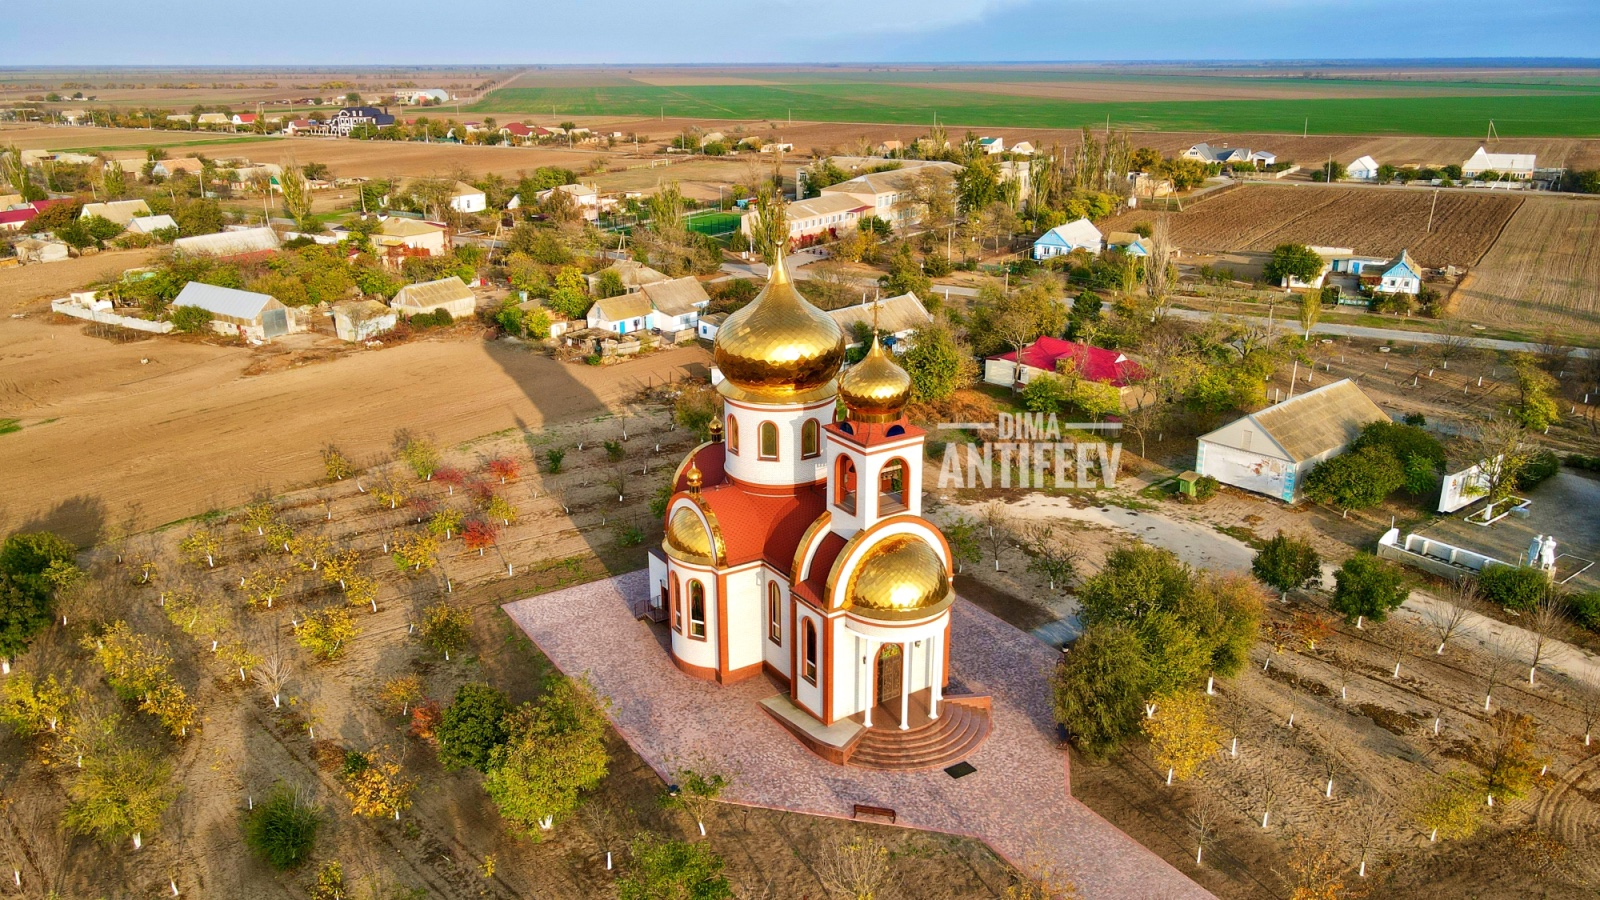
[1017,801]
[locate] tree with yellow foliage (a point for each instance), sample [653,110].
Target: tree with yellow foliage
[1182,734]
[262,588]
[325,632]
[375,786]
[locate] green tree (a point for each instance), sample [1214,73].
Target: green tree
[570,296]
[555,750]
[282,828]
[938,362]
[1366,586]
[297,197]
[1046,393]
[446,628]
[664,869]
[1421,455]
[1356,480]
[1135,581]
[1286,563]
[1536,404]
[191,319]
[26,594]
[473,726]
[1100,687]
[905,275]
[1292,261]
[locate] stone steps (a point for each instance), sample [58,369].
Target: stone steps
[958,731]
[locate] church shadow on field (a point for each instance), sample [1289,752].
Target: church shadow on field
[570,407]
[80,519]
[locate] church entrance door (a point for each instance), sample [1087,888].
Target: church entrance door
[889,662]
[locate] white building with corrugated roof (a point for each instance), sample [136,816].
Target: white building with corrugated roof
[1272,451]
[449,294]
[1515,165]
[255,317]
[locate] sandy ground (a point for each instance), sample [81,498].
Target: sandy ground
[21,285]
[180,427]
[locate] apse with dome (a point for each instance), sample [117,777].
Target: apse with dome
[795,545]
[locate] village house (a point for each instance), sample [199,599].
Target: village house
[1048,355]
[252,316]
[633,275]
[675,304]
[707,328]
[449,294]
[399,237]
[891,148]
[1517,166]
[1063,239]
[422,96]
[1400,275]
[346,120]
[829,214]
[300,126]
[1128,242]
[362,320]
[894,319]
[1022,148]
[119,211]
[1226,155]
[151,224]
[623,314]
[585,198]
[992,145]
[1363,169]
[1272,451]
[516,132]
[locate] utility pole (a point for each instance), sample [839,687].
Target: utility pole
[1305,131]
[1431,207]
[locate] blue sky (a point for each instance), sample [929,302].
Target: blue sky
[301,32]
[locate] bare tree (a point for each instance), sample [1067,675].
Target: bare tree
[857,868]
[1202,820]
[1546,627]
[996,522]
[277,665]
[617,480]
[1367,831]
[607,821]
[1158,268]
[1460,599]
[1501,648]
[1266,793]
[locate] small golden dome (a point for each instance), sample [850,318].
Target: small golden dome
[875,389]
[687,538]
[779,348]
[900,578]
[694,478]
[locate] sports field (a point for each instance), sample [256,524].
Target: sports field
[1430,108]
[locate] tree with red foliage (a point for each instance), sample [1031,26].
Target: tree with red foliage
[480,534]
[425,719]
[451,476]
[505,467]
[481,491]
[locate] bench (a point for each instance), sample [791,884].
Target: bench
[882,812]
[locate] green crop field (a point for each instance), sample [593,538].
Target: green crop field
[1569,110]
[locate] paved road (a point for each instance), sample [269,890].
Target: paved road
[1363,331]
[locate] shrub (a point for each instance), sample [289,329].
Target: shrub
[1584,463]
[1542,467]
[553,458]
[191,319]
[1514,587]
[1585,609]
[1286,563]
[282,828]
[472,727]
[672,868]
[1358,479]
[1205,487]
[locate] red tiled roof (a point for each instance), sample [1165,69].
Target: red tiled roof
[816,583]
[42,205]
[17,215]
[763,526]
[518,129]
[1094,363]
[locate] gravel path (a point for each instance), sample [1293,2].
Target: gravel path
[1018,800]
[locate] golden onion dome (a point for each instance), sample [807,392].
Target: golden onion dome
[687,538]
[901,577]
[875,389]
[693,478]
[779,348]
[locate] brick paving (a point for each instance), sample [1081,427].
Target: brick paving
[1018,801]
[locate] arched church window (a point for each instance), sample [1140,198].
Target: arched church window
[733,435]
[892,487]
[844,485]
[775,613]
[769,440]
[677,607]
[697,610]
[809,669]
[810,439]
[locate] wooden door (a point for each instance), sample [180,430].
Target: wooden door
[889,673]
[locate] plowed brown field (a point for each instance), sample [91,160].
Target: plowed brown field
[1374,221]
[1543,271]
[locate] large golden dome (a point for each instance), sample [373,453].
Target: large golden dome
[901,577]
[779,348]
[687,538]
[875,389]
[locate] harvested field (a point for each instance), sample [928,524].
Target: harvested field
[1379,222]
[1543,271]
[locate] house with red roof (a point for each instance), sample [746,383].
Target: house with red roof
[516,131]
[1049,355]
[15,218]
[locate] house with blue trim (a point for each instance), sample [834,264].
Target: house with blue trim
[1129,242]
[1063,239]
[1401,276]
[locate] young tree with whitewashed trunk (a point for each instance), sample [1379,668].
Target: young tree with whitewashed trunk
[1203,819]
[1547,626]
[695,792]
[1460,599]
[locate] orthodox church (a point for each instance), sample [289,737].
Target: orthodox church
[796,549]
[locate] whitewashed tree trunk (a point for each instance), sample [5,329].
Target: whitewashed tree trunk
[1234,750]
[1329,793]
[138,840]
[1211,685]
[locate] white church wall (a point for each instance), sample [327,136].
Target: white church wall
[850,658]
[693,650]
[809,695]
[746,611]
[789,468]
[776,653]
